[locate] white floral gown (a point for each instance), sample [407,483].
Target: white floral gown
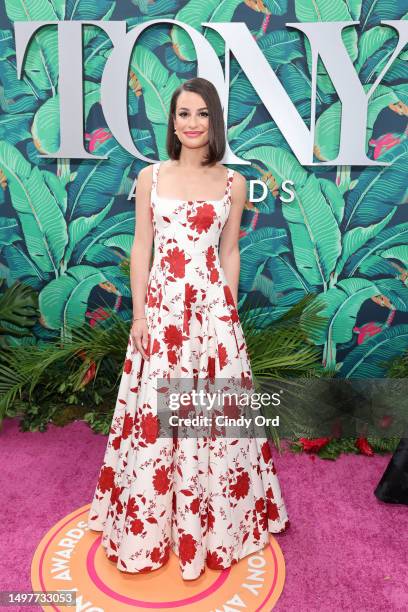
[212,500]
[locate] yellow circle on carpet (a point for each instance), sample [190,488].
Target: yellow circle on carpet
[70,557]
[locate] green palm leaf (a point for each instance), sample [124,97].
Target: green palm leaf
[372,358]
[42,221]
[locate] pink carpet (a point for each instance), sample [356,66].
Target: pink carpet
[344,549]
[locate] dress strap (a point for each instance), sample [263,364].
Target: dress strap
[155,175]
[230,177]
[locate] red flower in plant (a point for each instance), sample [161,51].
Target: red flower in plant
[173,336]
[314,445]
[203,219]
[241,487]
[136,526]
[386,421]
[127,367]
[364,447]
[89,374]
[177,262]
[149,428]
[222,355]
[106,477]
[187,547]
[161,480]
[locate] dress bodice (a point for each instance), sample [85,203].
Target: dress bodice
[194,226]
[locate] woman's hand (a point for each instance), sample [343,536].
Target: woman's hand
[140,336]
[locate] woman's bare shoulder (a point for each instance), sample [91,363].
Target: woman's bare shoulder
[240,178]
[239,186]
[145,176]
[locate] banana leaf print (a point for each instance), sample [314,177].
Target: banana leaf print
[68,225]
[370,260]
[378,190]
[53,225]
[340,305]
[371,359]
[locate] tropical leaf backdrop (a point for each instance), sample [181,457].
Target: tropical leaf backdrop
[66,228]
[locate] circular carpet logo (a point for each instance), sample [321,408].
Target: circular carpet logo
[70,557]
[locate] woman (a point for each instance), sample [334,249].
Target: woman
[212,499]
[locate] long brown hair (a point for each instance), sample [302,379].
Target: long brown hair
[216,128]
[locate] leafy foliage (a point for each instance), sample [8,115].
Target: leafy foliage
[77,377]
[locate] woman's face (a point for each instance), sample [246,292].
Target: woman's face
[191,121]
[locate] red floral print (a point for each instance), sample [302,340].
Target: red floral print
[149,428]
[190,295]
[132,507]
[127,425]
[136,526]
[231,303]
[161,480]
[155,555]
[222,355]
[211,500]
[173,336]
[214,561]
[105,482]
[177,262]
[203,219]
[266,452]
[127,367]
[241,487]
[187,548]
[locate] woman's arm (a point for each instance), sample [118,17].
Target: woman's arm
[229,241]
[141,251]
